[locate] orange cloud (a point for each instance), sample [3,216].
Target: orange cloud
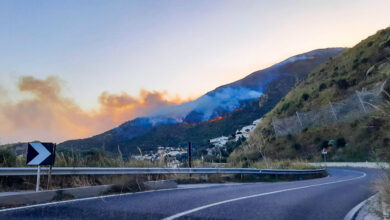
[49,116]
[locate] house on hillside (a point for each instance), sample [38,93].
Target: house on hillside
[246,131]
[219,141]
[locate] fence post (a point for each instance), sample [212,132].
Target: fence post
[333,112]
[361,102]
[273,125]
[299,119]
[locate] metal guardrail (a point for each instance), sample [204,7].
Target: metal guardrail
[377,165]
[31,171]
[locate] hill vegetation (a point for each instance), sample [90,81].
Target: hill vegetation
[274,82]
[367,138]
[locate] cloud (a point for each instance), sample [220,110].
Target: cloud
[49,116]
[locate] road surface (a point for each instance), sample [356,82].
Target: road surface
[325,198]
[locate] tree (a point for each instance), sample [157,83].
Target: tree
[257,141]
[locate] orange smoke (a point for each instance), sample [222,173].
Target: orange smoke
[49,116]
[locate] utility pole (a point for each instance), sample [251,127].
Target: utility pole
[189,154]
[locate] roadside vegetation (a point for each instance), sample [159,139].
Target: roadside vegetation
[383,187]
[366,139]
[275,164]
[128,183]
[92,158]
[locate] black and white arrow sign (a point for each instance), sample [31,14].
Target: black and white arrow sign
[40,153]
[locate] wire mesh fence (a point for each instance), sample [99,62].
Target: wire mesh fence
[351,108]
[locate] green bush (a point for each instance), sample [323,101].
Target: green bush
[305,96]
[342,84]
[322,86]
[7,158]
[340,142]
[297,146]
[285,106]
[364,60]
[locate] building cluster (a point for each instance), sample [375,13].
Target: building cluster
[169,155]
[244,132]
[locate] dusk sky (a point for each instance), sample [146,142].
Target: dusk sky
[95,64]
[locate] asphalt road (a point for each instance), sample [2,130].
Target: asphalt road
[325,198]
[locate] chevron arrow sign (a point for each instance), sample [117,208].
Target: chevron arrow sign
[40,153]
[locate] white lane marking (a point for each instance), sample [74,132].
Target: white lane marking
[256,195]
[99,197]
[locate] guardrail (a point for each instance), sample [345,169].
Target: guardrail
[377,165]
[31,171]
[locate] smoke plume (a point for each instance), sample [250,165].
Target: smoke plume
[47,115]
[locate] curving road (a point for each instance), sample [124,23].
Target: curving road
[325,198]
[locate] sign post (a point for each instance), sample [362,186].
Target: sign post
[38,179]
[324,153]
[189,154]
[40,154]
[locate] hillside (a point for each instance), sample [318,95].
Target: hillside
[365,66]
[219,112]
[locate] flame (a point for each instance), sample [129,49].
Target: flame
[216,119]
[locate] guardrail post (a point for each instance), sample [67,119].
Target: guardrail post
[49,178]
[38,178]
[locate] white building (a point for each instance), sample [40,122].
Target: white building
[219,141]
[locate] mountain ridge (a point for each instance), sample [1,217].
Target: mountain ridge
[213,114]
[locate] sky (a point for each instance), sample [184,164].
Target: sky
[71,69]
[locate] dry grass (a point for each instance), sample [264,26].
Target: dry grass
[383,187]
[282,164]
[296,164]
[100,159]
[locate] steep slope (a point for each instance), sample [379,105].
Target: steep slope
[219,112]
[362,67]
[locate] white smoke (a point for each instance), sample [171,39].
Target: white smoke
[226,98]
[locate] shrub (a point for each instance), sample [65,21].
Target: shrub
[340,142]
[305,96]
[297,146]
[364,60]
[7,158]
[324,144]
[285,106]
[317,140]
[383,187]
[342,84]
[322,86]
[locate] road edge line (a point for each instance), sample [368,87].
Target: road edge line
[351,215]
